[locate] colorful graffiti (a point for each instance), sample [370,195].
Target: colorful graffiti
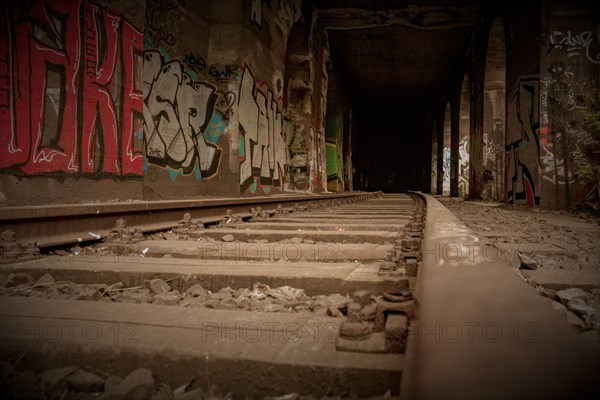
[263,153]
[71,99]
[522,151]
[181,128]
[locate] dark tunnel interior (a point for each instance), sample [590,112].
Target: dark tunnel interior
[400,69]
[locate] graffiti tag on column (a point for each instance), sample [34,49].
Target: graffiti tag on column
[263,153]
[64,108]
[575,44]
[522,143]
[177,116]
[553,169]
[463,166]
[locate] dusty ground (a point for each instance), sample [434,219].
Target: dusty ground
[557,252]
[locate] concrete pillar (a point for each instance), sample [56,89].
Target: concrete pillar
[476,138]
[454,142]
[440,155]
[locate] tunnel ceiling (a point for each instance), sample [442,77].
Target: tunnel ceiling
[407,50]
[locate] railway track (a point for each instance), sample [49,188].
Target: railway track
[53,225]
[302,296]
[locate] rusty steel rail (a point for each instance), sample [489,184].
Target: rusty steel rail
[54,225]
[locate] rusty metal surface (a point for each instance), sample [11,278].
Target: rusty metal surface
[70,223]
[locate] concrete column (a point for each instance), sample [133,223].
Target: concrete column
[440,155]
[454,143]
[476,139]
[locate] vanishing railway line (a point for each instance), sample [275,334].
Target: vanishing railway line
[308,295]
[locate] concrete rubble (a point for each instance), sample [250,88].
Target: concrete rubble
[74,382]
[156,291]
[555,251]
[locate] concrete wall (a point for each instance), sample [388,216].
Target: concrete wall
[263,148]
[522,150]
[71,103]
[136,99]
[187,99]
[553,52]
[569,85]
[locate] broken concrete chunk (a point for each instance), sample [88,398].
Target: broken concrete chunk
[89,294]
[138,385]
[362,297]
[337,301]
[138,296]
[166,299]
[221,296]
[196,291]
[574,320]
[85,381]
[569,294]
[53,378]
[211,304]
[582,310]
[527,262]
[162,392]
[44,280]
[157,286]
[111,381]
[228,238]
[549,293]
[272,307]
[19,279]
[296,240]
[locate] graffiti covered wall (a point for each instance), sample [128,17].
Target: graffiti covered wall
[263,151]
[265,133]
[177,114]
[569,92]
[189,97]
[71,89]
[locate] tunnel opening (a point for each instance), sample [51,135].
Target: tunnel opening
[397,73]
